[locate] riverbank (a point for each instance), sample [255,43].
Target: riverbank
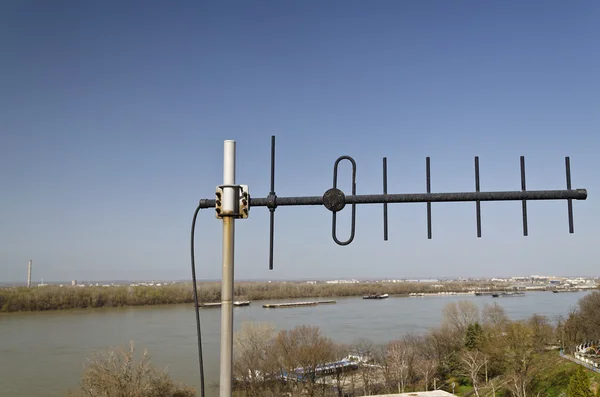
[52,297]
[55,345]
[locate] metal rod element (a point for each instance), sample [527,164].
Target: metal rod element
[271,237]
[225,384]
[334,214]
[428,175]
[569,201]
[478,202]
[272,210]
[524,202]
[272,164]
[385,206]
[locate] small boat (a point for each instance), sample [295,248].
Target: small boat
[375,296]
[296,304]
[511,294]
[556,291]
[241,303]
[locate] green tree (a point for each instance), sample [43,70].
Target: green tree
[474,336]
[543,333]
[520,358]
[579,384]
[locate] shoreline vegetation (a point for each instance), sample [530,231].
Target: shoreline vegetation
[478,351]
[52,297]
[473,352]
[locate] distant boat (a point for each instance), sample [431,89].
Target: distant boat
[556,291]
[375,296]
[511,294]
[296,304]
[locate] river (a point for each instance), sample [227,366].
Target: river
[43,353]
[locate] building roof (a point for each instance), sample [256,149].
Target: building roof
[433,393]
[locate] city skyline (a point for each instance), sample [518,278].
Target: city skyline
[316,279]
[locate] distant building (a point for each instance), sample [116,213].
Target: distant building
[73,282]
[342,282]
[518,286]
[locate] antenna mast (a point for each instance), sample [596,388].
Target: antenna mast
[234,202]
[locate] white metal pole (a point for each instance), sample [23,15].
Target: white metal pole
[228,205]
[29,274]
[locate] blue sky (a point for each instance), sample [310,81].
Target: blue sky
[114,115]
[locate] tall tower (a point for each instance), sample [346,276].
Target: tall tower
[29,275]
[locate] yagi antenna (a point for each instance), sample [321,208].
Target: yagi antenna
[234,202]
[336,200]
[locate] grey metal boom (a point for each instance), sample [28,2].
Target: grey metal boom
[578,194]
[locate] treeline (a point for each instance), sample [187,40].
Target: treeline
[57,298]
[582,324]
[282,290]
[67,297]
[480,352]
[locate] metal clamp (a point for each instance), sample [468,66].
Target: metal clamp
[240,206]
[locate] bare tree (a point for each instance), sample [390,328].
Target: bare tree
[254,364]
[301,351]
[425,358]
[426,367]
[459,315]
[398,360]
[365,349]
[117,373]
[472,361]
[384,370]
[354,378]
[543,333]
[341,378]
[494,316]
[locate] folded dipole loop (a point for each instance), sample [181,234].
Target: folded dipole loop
[338,194]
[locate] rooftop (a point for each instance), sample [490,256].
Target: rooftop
[433,393]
